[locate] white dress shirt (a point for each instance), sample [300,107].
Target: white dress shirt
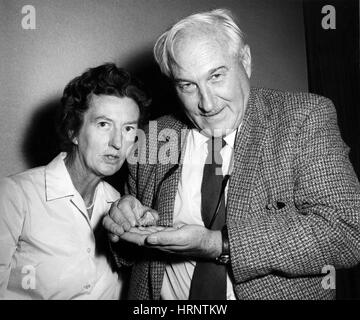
[47,242]
[178,275]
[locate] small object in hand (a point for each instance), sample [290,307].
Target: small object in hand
[147,220]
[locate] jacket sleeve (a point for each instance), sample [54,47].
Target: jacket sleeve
[12,215]
[123,252]
[321,226]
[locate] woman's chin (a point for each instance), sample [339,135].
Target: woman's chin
[109,170]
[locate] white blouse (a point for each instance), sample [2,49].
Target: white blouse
[49,249]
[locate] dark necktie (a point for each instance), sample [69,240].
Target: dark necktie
[209,278]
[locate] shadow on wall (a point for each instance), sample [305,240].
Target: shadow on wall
[160,88]
[41,144]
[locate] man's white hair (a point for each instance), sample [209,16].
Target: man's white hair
[220,20]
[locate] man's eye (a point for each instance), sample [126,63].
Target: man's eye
[186,87]
[216,76]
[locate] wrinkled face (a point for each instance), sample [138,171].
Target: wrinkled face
[107,134]
[212,83]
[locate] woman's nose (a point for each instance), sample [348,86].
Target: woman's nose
[115,140]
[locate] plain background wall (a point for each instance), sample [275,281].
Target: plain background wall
[72,35]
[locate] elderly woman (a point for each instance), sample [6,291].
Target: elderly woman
[52,245]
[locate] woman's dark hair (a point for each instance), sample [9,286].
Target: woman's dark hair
[106,79]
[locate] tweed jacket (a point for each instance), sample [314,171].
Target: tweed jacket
[293,203]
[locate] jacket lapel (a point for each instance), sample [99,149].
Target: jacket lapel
[168,175]
[167,180]
[247,154]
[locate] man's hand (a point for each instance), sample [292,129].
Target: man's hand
[127,213]
[187,240]
[138,235]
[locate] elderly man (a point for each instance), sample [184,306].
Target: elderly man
[264,198]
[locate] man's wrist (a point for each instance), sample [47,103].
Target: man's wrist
[224,257]
[213,245]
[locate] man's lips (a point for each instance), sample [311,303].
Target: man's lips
[212,114]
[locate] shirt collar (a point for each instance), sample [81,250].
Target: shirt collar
[230,138]
[58,183]
[198,138]
[110,194]
[201,139]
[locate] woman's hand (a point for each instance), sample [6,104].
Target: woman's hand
[127,213]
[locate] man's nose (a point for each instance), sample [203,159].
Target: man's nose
[207,101]
[116,139]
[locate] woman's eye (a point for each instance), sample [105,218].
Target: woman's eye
[129,128]
[103,124]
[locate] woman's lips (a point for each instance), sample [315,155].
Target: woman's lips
[111,158]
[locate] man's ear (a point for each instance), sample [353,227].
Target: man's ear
[246,60]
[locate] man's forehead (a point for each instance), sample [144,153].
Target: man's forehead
[190,38]
[200,57]
[187,43]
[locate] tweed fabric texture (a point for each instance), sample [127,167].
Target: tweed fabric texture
[293,201]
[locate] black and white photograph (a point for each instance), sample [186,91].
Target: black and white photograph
[180,150]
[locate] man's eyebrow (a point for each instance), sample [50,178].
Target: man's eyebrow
[210,72]
[177,80]
[217,69]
